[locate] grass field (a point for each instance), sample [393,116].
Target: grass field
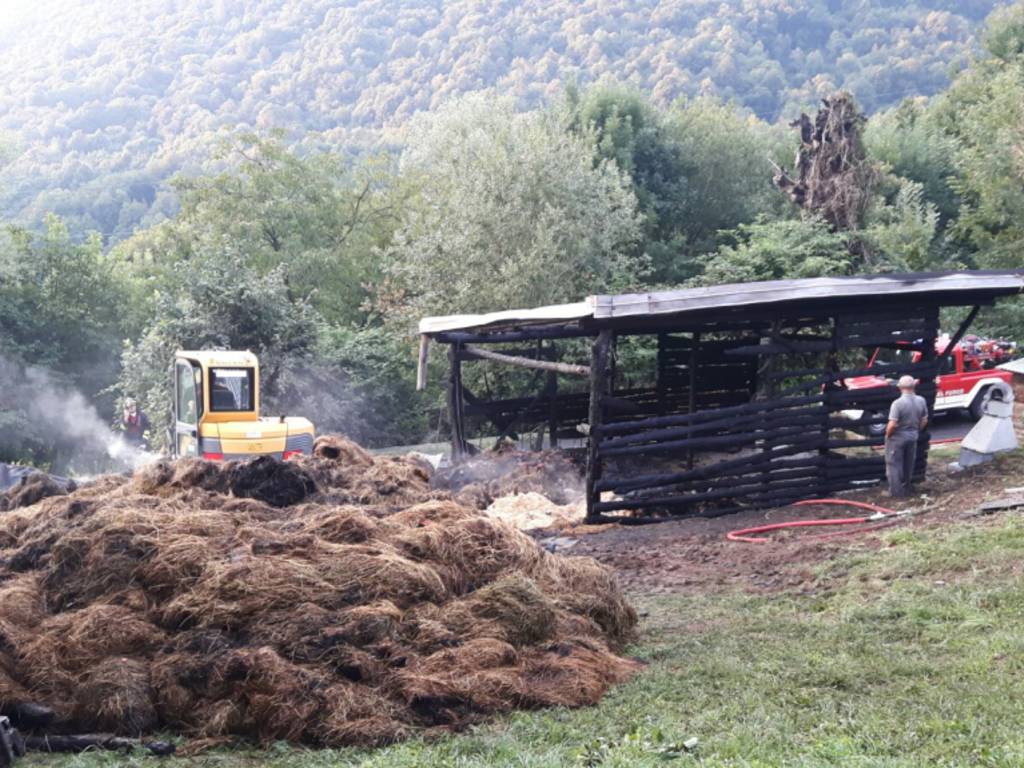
[911,656]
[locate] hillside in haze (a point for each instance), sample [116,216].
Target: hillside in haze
[101,102]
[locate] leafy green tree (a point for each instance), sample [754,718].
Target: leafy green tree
[1004,34]
[221,302]
[629,131]
[983,112]
[511,212]
[900,237]
[910,145]
[315,216]
[728,156]
[364,383]
[698,169]
[62,305]
[775,250]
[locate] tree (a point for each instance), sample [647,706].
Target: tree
[832,177]
[983,112]
[908,144]
[775,250]
[629,132]
[221,302]
[699,168]
[511,212]
[315,216]
[728,155]
[900,236]
[62,305]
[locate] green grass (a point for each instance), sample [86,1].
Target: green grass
[911,656]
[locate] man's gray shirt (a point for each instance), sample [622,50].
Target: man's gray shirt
[908,411]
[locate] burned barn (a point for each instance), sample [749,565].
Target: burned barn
[752,395]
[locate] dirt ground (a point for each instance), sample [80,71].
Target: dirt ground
[693,555]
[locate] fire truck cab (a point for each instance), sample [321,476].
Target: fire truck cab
[965,375]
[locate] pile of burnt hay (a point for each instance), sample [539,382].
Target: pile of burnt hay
[30,490]
[479,481]
[366,609]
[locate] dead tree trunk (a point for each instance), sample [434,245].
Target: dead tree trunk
[832,177]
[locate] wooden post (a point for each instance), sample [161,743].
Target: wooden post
[831,367]
[421,366]
[766,372]
[600,379]
[459,447]
[958,335]
[929,356]
[553,400]
[692,404]
[526,362]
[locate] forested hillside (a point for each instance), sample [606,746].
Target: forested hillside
[320,258]
[102,102]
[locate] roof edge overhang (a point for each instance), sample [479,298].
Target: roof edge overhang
[946,288]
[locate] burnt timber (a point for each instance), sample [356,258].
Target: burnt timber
[747,404]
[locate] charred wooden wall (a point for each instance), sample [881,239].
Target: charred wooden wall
[743,411]
[765,433]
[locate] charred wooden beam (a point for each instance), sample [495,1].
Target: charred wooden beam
[743,423]
[691,405]
[27,715]
[768,439]
[552,393]
[600,387]
[620,427]
[421,366]
[455,413]
[569,369]
[521,334]
[960,332]
[779,347]
[708,471]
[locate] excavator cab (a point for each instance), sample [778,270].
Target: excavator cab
[217,410]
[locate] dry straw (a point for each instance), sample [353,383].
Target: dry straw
[369,608]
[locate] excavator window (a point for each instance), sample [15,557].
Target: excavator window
[186,407]
[231,389]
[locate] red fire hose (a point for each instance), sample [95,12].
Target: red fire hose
[887,516]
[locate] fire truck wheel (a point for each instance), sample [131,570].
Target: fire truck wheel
[975,407]
[876,430]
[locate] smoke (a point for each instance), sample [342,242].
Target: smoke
[46,421]
[550,473]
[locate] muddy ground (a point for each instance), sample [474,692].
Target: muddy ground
[693,555]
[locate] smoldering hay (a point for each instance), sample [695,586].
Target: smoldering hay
[337,600]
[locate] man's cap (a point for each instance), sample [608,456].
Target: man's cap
[907,382]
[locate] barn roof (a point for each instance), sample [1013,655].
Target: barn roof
[948,288]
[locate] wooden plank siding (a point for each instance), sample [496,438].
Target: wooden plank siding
[747,404]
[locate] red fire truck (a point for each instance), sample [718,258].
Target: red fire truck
[964,375]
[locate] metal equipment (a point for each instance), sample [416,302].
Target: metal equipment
[994,431]
[217,411]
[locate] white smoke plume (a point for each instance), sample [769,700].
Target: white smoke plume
[43,418]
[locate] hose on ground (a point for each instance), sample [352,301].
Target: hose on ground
[886,516]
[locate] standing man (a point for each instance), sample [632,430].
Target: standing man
[908,417]
[135,424]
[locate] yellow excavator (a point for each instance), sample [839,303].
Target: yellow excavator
[217,410]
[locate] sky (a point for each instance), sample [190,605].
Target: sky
[13,11]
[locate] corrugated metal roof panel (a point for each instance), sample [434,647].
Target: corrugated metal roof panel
[558,313]
[688,300]
[777,291]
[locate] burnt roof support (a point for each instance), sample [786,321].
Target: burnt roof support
[600,388]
